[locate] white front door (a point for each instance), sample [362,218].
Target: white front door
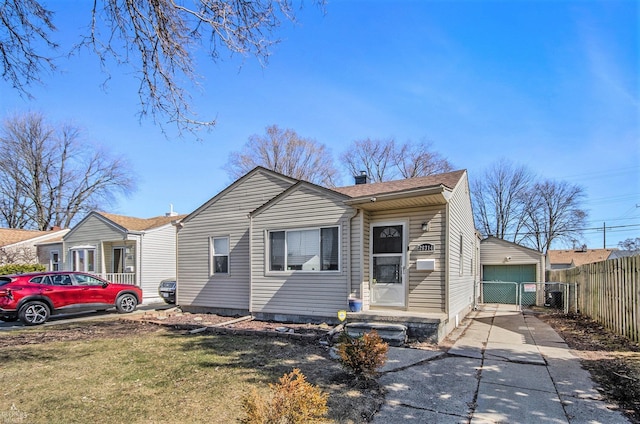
[387,259]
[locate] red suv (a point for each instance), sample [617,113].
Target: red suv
[33,297]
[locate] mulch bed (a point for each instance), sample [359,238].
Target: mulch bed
[612,360]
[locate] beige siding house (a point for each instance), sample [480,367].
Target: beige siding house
[428,270]
[283,249]
[22,246]
[213,245]
[124,249]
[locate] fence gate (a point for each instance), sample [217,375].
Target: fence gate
[562,296]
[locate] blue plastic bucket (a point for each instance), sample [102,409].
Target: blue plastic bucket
[355,305]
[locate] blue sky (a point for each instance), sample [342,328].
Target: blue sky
[553,85]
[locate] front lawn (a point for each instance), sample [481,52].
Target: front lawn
[116,372]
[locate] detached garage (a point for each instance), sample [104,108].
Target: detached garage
[504,261]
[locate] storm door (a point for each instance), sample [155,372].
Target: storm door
[387,258]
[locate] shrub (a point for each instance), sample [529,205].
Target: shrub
[20,268]
[362,355]
[293,400]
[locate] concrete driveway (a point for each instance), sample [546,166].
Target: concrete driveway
[504,367]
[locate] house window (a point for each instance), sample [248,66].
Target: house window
[220,255]
[315,249]
[54,261]
[83,260]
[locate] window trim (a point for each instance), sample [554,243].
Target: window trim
[73,251]
[212,255]
[285,271]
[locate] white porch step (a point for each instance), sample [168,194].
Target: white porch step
[394,334]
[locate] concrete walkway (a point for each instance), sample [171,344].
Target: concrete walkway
[504,367]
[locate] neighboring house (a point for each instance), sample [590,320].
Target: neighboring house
[561,259]
[279,248]
[503,260]
[124,249]
[20,246]
[617,253]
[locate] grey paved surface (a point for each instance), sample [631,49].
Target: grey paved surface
[504,367]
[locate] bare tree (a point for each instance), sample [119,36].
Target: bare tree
[630,245]
[419,160]
[284,151]
[157,38]
[375,157]
[499,199]
[18,255]
[383,159]
[49,174]
[25,27]
[553,213]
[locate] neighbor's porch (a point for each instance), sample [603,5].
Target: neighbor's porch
[119,262]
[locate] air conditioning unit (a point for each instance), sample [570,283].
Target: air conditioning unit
[130,268]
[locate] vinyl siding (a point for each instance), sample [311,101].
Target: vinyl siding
[461,284]
[495,251]
[91,231]
[44,254]
[425,289]
[224,216]
[157,259]
[320,293]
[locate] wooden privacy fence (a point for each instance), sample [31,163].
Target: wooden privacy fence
[608,292]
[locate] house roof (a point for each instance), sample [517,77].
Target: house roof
[494,239]
[257,169]
[140,224]
[10,236]
[447,179]
[577,257]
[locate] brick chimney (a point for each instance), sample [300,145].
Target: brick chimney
[363,178]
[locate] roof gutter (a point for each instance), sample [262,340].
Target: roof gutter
[440,189]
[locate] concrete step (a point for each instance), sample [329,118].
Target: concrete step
[394,334]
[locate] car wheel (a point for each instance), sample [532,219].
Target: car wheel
[34,313]
[126,303]
[9,318]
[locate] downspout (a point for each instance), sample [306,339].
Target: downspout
[365,305]
[250,261]
[138,265]
[349,267]
[178,225]
[447,258]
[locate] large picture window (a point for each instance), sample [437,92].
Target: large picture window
[315,249]
[83,259]
[219,255]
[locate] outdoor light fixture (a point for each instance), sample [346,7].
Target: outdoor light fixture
[425,226]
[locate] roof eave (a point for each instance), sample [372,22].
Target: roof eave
[439,190]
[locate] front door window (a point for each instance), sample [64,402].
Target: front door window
[387,288]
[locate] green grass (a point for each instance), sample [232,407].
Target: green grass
[151,377]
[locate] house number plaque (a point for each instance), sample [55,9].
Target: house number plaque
[425,247]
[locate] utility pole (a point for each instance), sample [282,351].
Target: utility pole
[604,235]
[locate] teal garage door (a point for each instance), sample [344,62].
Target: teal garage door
[507,293]
[512,273]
